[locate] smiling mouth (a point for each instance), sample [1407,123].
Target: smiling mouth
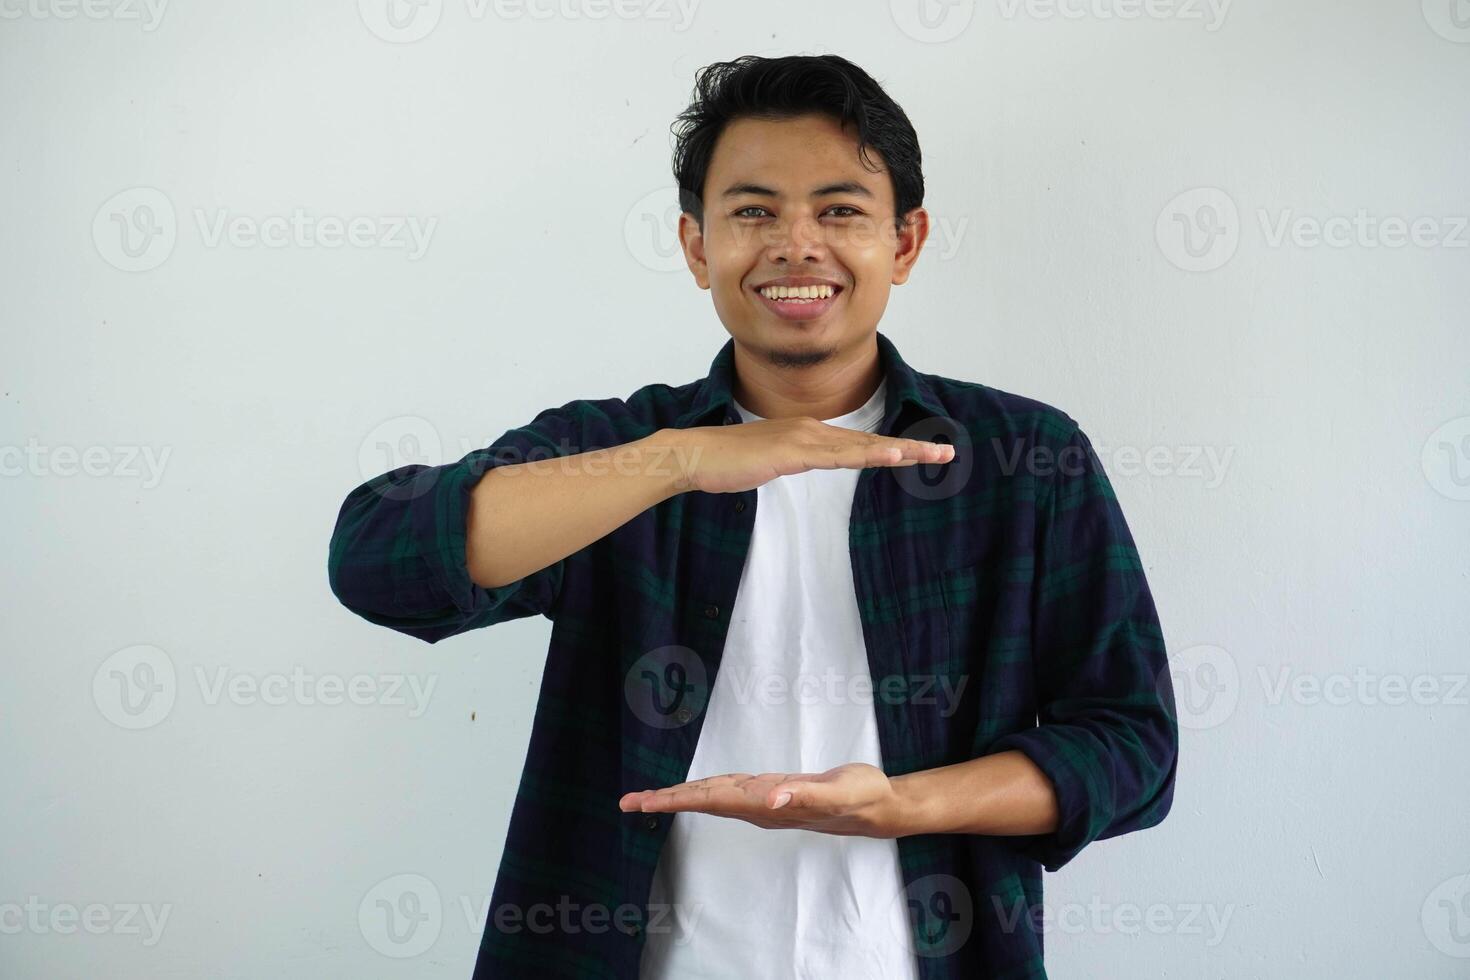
[799,302]
[798,294]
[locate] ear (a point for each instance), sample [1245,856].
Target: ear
[691,240]
[910,243]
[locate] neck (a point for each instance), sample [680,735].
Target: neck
[823,383]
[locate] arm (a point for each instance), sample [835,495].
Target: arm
[524,517]
[1100,763]
[1107,737]
[434,551]
[405,542]
[1000,794]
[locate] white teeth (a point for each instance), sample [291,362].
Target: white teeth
[798,293]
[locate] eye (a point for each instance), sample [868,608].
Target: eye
[852,212]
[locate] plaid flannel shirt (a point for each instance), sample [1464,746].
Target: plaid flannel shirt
[1007,576]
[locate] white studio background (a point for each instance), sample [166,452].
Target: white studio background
[253,254]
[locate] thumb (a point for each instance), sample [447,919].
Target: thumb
[789,794]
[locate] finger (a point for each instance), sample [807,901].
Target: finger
[883,451]
[707,799]
[851,456]
[729,777]
[922,451]
[723,779]
[631,801]
[793,795]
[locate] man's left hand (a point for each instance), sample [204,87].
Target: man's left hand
[855,799]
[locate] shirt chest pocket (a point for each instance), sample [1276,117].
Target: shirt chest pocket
[959,590]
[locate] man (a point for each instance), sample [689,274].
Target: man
[842,653]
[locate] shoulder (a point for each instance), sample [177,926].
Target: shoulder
[612,421]
[987,412]
[1017,440]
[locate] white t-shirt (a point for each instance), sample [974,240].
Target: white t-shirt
[792,694]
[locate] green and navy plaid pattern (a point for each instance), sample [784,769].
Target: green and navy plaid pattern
[1003,606]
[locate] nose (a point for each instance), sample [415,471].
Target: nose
[798,239]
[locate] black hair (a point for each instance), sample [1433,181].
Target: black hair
[782,88]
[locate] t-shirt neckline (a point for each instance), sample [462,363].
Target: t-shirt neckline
[865,417]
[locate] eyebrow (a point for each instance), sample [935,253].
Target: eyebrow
[842,187]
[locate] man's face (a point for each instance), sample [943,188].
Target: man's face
[790,199]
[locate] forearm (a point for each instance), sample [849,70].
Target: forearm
[1000,794]
[526,516]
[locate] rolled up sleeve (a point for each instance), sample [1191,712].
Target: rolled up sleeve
[397,553]
[1107,734]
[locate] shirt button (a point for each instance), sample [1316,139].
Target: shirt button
[739,506]
[683,715]
[651,822]
[711,612]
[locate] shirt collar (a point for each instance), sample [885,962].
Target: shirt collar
[713,396]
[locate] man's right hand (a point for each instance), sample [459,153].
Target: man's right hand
[732,458]
[525,516]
